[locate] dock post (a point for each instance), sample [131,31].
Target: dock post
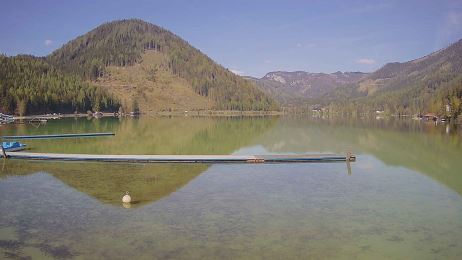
[348,159]
[3,151]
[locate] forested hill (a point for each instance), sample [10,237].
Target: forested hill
[141,62]
[429,71]
[29,85]
[432,83]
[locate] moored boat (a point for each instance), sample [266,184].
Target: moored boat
[13,146]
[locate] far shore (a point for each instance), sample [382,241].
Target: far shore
[158,113]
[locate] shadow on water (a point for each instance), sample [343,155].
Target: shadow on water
[148,135]
[245,211]
[107,182]
[423,147]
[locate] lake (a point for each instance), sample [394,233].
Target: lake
[402,198]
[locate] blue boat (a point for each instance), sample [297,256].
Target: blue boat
[13,146]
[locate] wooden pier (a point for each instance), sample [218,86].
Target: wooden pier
[5,119]
[305,158]
[18,137]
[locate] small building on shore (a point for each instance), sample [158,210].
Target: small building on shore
[448,108]
[430,116]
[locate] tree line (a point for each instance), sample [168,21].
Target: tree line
[443,98]
[30,85]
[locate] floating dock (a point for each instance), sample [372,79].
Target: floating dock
[5,119]
[305,158]
[18,137]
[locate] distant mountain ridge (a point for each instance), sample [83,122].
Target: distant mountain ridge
[428,71]
[430,83]
[294,87]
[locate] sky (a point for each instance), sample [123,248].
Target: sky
[253,37]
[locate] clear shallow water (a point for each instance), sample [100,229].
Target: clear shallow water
[402,199]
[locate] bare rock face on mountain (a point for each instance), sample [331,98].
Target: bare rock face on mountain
[293,87]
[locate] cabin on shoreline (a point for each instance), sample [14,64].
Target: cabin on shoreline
[430,116]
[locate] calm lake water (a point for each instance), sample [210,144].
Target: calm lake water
[402,200]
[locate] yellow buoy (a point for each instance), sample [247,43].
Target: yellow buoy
[126,198]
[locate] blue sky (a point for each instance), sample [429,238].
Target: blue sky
[253,37]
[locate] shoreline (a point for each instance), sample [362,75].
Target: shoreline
[159,113]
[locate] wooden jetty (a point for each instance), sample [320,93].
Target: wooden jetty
[6,119]
[17,137]
[305,158]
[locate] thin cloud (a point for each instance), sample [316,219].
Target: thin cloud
[48,42]
[371,7]
[366,61]
[450,30]
[268,61]
[306,45]
[455,18]
[237,72]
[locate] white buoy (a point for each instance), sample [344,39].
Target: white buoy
[126,198]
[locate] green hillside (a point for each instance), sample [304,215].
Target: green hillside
[427,84]
[29,85]
[114,56]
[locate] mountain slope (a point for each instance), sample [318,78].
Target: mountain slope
[425,84]
[296,87]
[137,61]
[152,86]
